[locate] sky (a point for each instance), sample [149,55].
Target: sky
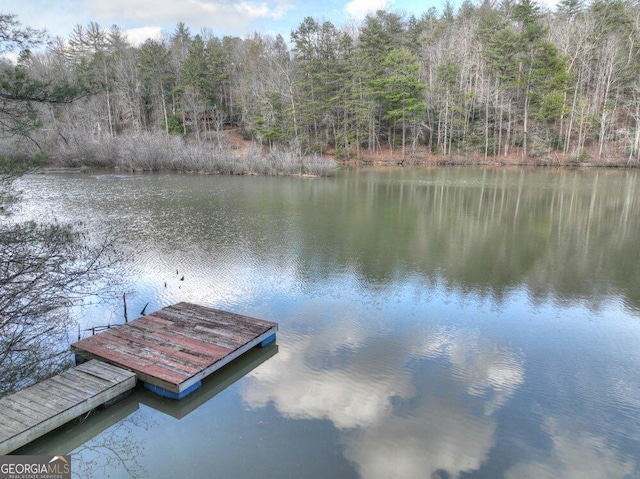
[143,19]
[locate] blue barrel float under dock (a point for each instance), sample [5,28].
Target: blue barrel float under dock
[173,349]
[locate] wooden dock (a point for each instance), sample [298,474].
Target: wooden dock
[173,349]
[41,408]
[73,435]
[69,437]
[212,385]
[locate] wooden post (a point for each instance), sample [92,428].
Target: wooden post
[124,300]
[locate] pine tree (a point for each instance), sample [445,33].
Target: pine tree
[399,92]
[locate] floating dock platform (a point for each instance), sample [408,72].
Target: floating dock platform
[41,408]
[173,349]
[64,440]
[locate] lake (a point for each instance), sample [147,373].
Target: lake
[434,322]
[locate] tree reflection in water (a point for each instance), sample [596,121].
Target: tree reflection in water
[120,448]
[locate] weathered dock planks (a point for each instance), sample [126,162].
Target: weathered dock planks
[211,385]
[173,349]
[39,409]
[69,437]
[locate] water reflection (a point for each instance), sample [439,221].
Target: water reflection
[575,454]
[115,442]
[408,404]
[482,231]
[471,323]
[105,443]
[553,232]
[118,451]
[215,384]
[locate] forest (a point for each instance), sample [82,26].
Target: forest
[489,82]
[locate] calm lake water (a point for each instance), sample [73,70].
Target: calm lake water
[434,323]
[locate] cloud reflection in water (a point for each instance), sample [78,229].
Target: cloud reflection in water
[407,405]
[575,454]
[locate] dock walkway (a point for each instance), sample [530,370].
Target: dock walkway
[39,409]
[173,349]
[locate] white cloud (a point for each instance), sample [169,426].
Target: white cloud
[224,15]
[12,57]
[550,4]
[138,36]
[360,8]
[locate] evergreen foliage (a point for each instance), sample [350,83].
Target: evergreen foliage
[486,80]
